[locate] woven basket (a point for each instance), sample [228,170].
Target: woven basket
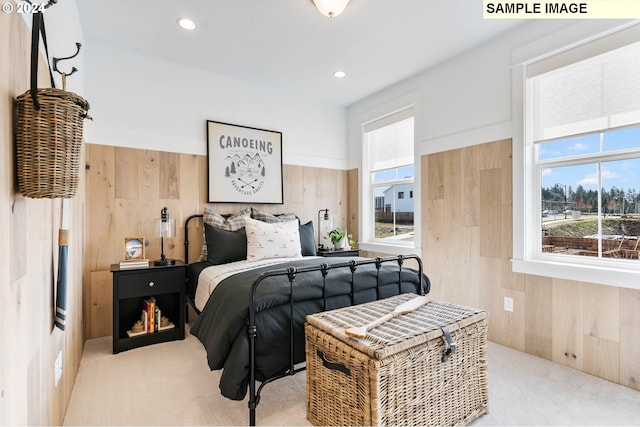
[49,143]
[397,375]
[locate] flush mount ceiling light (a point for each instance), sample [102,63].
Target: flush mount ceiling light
[339,74]
[187,24]
[331,8]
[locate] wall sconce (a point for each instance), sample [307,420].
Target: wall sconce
[325,225]
[165,227]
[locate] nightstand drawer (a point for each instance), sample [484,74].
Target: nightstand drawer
[144,283]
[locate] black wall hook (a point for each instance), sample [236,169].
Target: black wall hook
[46,6]
[56,60]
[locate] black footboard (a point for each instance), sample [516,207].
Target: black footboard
[325,270]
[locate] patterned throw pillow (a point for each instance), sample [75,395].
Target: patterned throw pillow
[270,218]
[232,222]
[276,240]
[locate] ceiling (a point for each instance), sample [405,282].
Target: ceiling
[289,46]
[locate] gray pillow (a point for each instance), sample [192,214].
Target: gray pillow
[225,246]
[307,240]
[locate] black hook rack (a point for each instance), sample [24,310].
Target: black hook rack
[56,60]
[46,6]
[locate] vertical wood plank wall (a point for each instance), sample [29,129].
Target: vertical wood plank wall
[467,247]
[127,188]
[29,342]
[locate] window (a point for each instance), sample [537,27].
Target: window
[388,175]
[581,157]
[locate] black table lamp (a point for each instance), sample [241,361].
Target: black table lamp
[165,227]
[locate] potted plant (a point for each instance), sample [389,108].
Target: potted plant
[337,236]
[352,241]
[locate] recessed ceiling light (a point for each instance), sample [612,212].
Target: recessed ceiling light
[339,74]
[187,24]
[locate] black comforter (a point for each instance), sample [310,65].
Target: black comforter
[222,324]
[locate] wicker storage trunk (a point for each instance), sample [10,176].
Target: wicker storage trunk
[400,373]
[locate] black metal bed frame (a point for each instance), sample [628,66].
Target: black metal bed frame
[291,273]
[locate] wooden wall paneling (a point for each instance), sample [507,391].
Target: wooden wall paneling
[30,253]
[101,213]
[353,203]
[169,175]
[433,257]
[491,155]
[126,173]
[100,314]
[490,213]
[538,316]
[470,268]
[602,311]
[456,238]
[435,182]
[512,323]
[18,221]
[507,171]
[602,358]
[191,181]
[470,193]
[601,328]
[491,297]
[294,191]
[629,342]
[149,198]
[203,171]
[567,347]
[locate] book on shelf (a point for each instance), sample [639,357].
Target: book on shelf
[149,305]
[136,263]
[150,319]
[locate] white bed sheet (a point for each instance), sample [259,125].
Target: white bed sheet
[211,276]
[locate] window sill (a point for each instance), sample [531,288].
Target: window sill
[603,275]
[388,249]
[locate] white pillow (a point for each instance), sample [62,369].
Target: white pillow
[277,240]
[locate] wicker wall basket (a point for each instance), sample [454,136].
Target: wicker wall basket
[49,143]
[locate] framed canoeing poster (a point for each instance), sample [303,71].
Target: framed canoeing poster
[244,164]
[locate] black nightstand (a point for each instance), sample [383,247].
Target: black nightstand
[131,286]
[339,252]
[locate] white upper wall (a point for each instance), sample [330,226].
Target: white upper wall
[464,101]
[140,102]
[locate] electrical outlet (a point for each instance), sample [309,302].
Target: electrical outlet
[58,368]
[508,304]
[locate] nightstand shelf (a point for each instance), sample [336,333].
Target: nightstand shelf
[339,253]
[131,287]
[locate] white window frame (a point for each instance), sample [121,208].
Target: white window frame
[366,239]
[580,40]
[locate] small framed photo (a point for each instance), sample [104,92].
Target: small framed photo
[133,248]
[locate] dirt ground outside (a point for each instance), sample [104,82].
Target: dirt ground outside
[387,229]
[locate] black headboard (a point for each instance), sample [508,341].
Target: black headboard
[186,236]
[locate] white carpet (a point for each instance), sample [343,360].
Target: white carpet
[171,384]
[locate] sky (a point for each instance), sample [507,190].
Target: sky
[623,174]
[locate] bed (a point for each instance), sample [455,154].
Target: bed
[251,311]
